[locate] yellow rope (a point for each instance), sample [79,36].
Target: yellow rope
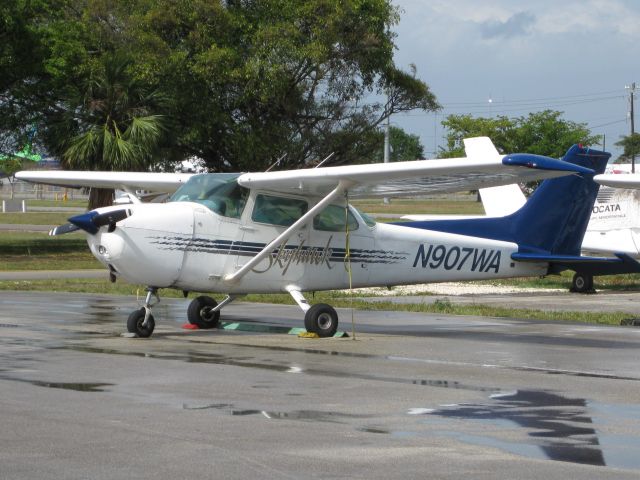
[347,258]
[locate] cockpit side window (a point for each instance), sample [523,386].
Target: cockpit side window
[282,211]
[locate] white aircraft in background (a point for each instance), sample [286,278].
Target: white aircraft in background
[294,231]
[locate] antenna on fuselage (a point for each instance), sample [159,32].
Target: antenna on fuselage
[326,158]
[274,164]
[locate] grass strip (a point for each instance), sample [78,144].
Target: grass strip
[335,298]
[424,206]
[36,218]
[40,243]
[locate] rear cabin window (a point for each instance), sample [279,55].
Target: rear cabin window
[333,219]
[278,210]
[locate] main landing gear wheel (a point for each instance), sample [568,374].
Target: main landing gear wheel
[582,283]
[200,312]
[321,319]
[135,323]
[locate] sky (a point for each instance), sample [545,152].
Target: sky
[513,57]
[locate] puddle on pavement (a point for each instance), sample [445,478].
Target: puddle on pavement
[303,415]
[251,362]
[557,428]
[308,415]
[380,431]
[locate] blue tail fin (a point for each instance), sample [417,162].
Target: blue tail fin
[554,219]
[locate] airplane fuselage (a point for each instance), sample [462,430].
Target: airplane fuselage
[187,246]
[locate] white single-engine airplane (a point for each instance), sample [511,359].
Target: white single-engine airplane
[294,231]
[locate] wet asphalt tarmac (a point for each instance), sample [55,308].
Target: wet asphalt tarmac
[413,396]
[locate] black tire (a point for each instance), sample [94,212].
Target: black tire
[199,313]
[582,283]
[321,319]
[134,324]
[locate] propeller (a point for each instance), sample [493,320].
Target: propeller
[91,222]
[62,229]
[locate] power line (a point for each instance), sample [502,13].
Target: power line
[483,108]
[547,99]
[609,123]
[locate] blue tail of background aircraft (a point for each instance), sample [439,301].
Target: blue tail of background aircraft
[553,221]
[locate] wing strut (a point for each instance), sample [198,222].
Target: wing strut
[343,185]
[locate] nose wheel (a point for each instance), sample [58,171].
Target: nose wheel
[138,324]
[141,321]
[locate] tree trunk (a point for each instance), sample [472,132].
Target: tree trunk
[100,197]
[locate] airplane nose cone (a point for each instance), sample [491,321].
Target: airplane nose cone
[138,248]
[108,247]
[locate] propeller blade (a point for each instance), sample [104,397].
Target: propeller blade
[91,222]
[62,229]
[110,218]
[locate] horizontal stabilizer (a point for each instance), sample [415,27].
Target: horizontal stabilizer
[621,263]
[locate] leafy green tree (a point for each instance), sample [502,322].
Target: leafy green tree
[403,146]
[115,129]
[541,133]
[10,164]
[247,81]
[270,78]
[631,145]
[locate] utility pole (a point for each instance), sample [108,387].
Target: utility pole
[632,89]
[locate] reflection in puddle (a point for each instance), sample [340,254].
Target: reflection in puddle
[381,431]
[78,387]
[309,415]
[215,406]
[251,362]
[559,428]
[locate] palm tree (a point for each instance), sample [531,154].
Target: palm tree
[117,129]
[631,145]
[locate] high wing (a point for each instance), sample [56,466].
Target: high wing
[631,180]
[497,201]
[127,181]
[482,168]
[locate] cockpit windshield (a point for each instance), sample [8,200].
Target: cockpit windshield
[219,192]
